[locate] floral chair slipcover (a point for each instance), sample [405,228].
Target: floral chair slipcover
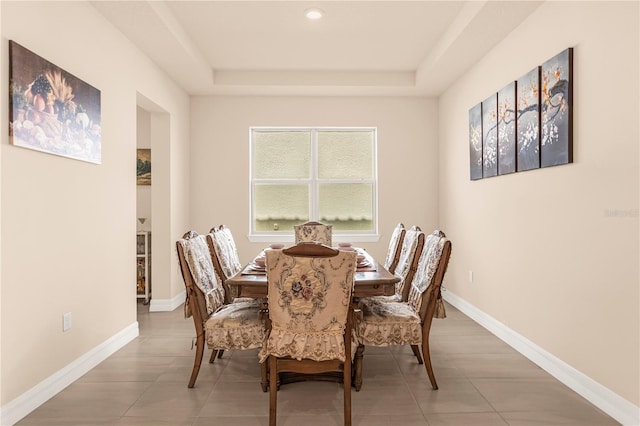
[221,325]
[310,287]
[309,299]
[226,252]
[225,255]
[412,246]
[313,231]
[395,246]
[387,323]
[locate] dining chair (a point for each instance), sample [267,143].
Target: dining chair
[410,251]
[395,248]
[313,231]
[237,325]
[388,323]
[224,254]
[310,288]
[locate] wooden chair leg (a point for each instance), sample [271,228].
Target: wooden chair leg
[213,356]
[347,391]
[264,376]
[427,363]
[357,368]
[416,352]
[273,389]
[198,360]
[220,352]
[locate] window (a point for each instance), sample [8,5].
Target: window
[323,174]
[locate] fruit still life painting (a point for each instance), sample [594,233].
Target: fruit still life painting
[51,110]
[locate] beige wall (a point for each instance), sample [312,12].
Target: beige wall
[551,259]
[68,227]
[407,156]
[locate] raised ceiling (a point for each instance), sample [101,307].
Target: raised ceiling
[368,48]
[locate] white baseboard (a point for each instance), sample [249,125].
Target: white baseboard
[20,407]
[611,403]
[167,305]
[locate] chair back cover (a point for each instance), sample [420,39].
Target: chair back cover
[395,247]
[225,253]
[424,283]
[199,276]
[313,231]
[309,300]
[412,247]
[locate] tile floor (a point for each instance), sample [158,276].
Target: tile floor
[482,382]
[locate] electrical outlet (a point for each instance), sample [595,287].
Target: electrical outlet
[470,277]
[66,321]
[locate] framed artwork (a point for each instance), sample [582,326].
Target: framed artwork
[143,167]
[507,129]
[556,114]
[51,110]
[528,116]
[475,142]
[490,136]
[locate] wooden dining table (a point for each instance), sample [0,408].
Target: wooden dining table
[370,280]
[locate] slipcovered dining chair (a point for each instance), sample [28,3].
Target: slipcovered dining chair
[222,325]
[310,288]
[225,256]
[409,323]
[412,247]
[410,251]
[395,248]
[313,231]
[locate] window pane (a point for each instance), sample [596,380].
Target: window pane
[281,155]
[279,207]
[345,155]
[347,206]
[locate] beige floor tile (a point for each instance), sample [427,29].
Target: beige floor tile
[379,367]
[555,418]
[465,419]
[390,397]
[69,421]
[545,394]
[170,399]
[155,421]
[389,420]
[129,369]
[453,396]
[469,344]
[232,421]
[244,398]
[492,365]
[92,400]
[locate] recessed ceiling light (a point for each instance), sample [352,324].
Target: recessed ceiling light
[314,13]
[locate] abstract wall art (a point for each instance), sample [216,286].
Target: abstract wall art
[556,142]
[528,116]
[507,129]
[475,142]
[526,125]
[490,136]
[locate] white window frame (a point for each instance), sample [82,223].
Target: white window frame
[314,183]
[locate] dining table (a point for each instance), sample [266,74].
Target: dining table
[371,279]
